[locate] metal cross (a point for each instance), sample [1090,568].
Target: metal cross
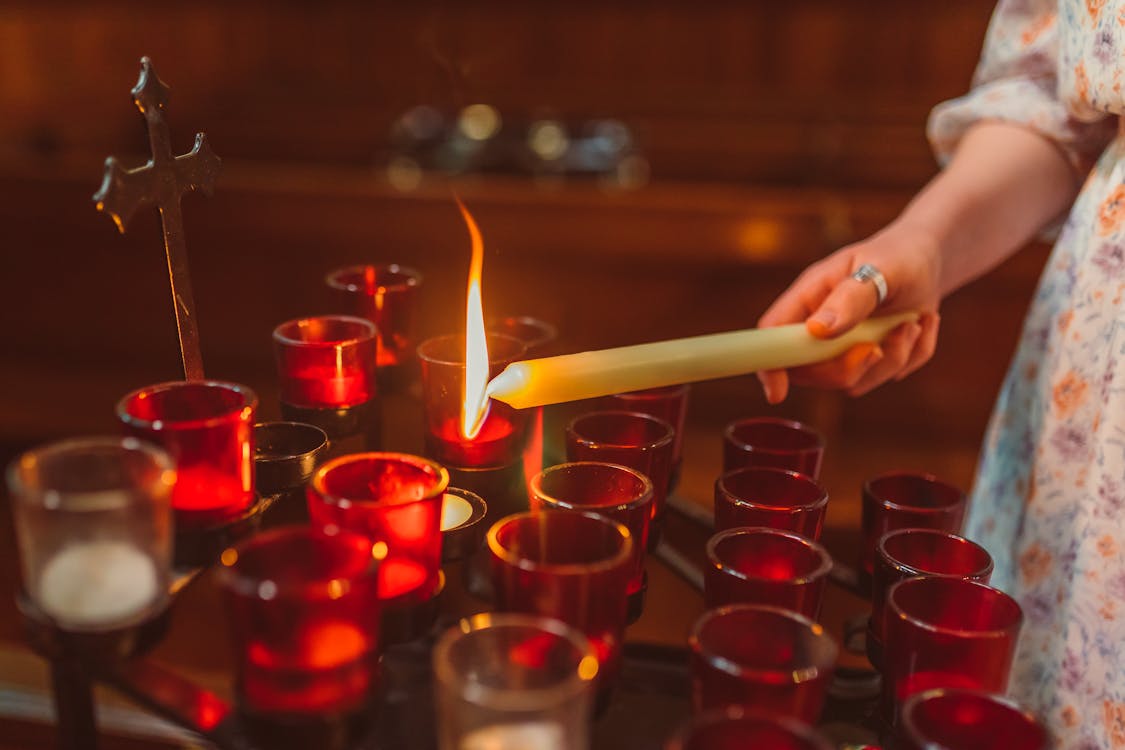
[161,182]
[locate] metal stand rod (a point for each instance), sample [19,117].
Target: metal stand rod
[74,705]
[680,565]
[693,512]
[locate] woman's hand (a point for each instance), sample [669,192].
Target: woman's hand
[829,301]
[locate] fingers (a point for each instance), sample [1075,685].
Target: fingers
[848,303]
[842,372]
[926,346]
[775,384]
[898,347]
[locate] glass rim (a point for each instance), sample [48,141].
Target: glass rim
[22,492]
[234,414]
[823,569]
[413,277]
[722,714]
[548,332]
[927,478]
[434,341]
[914,571]
[583,675]
[620,557]
[316,484]
[304,428]
[956,632]
[912,702]
[335,587]
[666,439]
[742,671]
[820,502]
[805,429]
[371,333]
[645,496]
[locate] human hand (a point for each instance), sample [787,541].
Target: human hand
[830,302]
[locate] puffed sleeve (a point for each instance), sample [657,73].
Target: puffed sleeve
[1017,81]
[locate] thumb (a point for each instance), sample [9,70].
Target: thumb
[847,304]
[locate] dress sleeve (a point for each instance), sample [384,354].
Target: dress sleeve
[1017,81]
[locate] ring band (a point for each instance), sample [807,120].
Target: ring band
[868,272]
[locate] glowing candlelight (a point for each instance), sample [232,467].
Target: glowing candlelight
[476,345]
[98,583]
[455,510]
[573,377]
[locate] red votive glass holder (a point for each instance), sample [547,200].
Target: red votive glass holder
[774,442]
[304,611]
[613,491]
[765,658]
[908,553]
[733,728]
[766,566]
[570,565]
[774,498]
[207,427]
[393,499]
[952,719]
[503,433]
[946,632]
[384,295]
[634,439]
[905,500]
[325,362]
[668,403]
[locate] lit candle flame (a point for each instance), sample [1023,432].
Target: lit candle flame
[475,404]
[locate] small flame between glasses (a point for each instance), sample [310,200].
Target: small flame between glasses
[474,406]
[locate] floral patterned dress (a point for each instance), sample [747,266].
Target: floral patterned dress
[1049,500]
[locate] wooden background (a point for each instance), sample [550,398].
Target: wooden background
[775,132]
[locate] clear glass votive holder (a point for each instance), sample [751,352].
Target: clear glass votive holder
[909,553]
[568,565]
[94,529]
[764,658]
[773,442]
[503,433]
[303,608]
[774,498]
[613,491]
[906,500]
[957,719]
[385,295]
[634,439]
[207,427]
[325,362]
[946,632]
[393,499]
[668,403]
[766,566]
[734,728]
[513,681]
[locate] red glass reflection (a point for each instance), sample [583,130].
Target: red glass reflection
[769,441]
[946,632]
[568,565]
[903,500]
[765,658]
[504,431]
[766,566]
[304,611]
[384,295]
[325,362]
[774,498]
[968,720]
[392,498]
[208,429]
[668,403]
[733,728]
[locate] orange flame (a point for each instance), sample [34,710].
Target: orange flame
[474,406]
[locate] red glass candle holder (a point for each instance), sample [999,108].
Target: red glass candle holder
[668,403]
[503,433]
[640,441]
[766,566]
[208,429]
[734,728]
[537,335]
[326,362]
[773,442]
[568,565]
[304,611]
[907,553]
[951,719]
[946,632]
[765,658]
[774,498]
[384,295]
[393,499]
[613,491]
[904,500]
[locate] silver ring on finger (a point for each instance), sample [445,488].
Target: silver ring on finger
[868,272]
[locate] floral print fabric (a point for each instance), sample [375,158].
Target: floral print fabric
[1049,498]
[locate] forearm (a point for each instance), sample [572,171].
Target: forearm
[1003,185]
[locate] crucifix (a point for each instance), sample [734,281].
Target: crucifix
[162,181]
